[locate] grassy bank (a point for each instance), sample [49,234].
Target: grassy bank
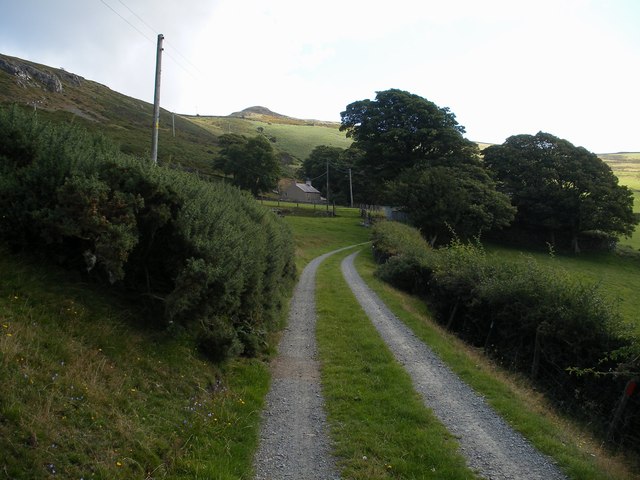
[87,393]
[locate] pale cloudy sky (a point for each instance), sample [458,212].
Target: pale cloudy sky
[504,67]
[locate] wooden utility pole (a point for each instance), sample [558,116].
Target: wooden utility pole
[327,186]
[156,103]
[350,188]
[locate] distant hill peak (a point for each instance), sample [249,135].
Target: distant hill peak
[257,110]
[263,114]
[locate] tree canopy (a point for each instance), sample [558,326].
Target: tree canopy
[400,130]
[559,188]
[412,153]
[443,200]
[251,161]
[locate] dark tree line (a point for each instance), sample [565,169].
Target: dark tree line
[409,152]
[413,153]
[561,190]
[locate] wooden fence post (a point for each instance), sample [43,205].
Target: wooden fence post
[629,390]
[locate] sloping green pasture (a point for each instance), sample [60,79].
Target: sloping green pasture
[295,140]
[626,166]
[617,275]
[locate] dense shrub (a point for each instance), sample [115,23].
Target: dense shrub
[202,255]
[530,318]
[405,256]
[391,239]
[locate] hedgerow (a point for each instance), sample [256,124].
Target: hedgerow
[203,256]
[541,322]
[404,256]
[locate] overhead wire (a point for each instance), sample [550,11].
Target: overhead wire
[130,24]
[169,43]
[146,24]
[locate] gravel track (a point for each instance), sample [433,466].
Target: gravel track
[490,446]
[293,439]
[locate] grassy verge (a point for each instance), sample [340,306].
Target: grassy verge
[88,394]
[578,454]
[381,427]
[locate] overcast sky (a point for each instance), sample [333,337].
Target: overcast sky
[504,67]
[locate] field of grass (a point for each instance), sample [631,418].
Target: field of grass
[626,166]
[293,139]
[618,276]
[315,233]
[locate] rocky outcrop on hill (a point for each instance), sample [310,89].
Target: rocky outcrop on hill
[29,76]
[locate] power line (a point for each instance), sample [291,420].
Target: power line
[168,43]
[319,176]
[130,24]
[137,16]
[168,54]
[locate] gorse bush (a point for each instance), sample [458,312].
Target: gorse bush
[201,255]
[532,319]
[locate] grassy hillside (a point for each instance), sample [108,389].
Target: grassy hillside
[292,139]
[89,390]
[62,96]
[98,108]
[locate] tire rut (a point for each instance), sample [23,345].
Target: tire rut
[294,443]
[490,446]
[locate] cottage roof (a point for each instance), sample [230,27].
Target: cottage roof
[306,188]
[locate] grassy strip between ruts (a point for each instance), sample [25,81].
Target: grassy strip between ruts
[573,449]
[380,426]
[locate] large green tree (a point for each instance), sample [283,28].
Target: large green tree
[451,198]
[560,189]
[400,130]
[413,154]
[251,161]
